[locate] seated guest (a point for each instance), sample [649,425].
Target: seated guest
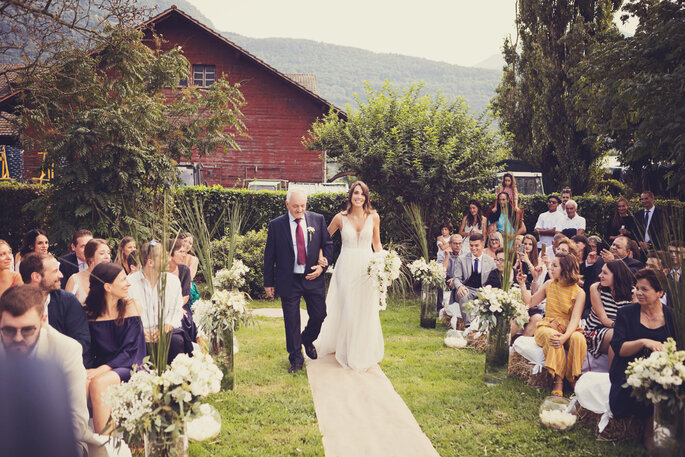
[640,328]
[191,262]
[117,341]
[146,284]
[619,251]
[529,261]
[494,243]
[470,273]
[495,280]
[622,223]
[506,218]
[449,264]
[65,313]
[179,269]
[126,249]
[655,262]
[8,278]
[75,261]
[26,334]
[95,252]
[634,250]
[558,331]
[443,241]
[567,247]
[614,290]
[573,223]
[676,252]
[35,240]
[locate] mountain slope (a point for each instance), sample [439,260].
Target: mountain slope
[341,70]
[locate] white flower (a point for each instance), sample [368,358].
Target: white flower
[206,425]
[311,229]
[560,420]
[384,268]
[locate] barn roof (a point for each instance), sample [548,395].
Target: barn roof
[306,83]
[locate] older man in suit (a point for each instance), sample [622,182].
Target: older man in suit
[471,271]
[292,270]
[26,334]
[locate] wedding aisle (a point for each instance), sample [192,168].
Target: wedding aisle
[360,414]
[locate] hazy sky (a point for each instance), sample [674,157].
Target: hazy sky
[462,32]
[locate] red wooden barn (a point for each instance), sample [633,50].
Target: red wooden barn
[279,108]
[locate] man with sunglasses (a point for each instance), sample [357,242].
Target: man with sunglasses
[25,333]
[549,223]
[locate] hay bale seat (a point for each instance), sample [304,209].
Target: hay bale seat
[479,344]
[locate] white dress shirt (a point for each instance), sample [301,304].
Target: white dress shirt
[578,222]
[82,265]
[298,269]
[147,298]
[473,264]
[548,221]
[648,213]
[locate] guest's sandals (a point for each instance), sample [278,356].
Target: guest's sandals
[559,391]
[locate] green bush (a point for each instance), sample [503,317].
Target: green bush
[15,218]
[249,249]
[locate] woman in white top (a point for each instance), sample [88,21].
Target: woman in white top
[473,222]
[96,251]
[443,241]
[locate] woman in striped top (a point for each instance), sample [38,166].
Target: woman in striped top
[614,289]
[558,331]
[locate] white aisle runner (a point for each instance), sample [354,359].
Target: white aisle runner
[360,414]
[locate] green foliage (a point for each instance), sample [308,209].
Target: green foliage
[113,122]
[341,71]
[249,249]
[15,218]
[630,90]
[411,148]
[534,97]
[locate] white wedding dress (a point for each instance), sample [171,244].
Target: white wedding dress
[352,328]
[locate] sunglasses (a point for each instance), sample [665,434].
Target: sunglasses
[11,332]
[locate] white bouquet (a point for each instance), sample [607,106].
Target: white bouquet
[560,420]
[160,404]
[384,267]
[659,377]
[432,272]
[233,278]
[493,303]
[205,425]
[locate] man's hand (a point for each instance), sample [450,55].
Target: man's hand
[462,291]
[607,256]
[591,258]
[270,292]
[645,246]
[450,283]
[314,274]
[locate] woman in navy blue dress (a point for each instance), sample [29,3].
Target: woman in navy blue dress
[116,332]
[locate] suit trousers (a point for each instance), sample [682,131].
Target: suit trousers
[471,295]
[316,308]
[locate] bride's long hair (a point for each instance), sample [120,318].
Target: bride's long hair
[368,208]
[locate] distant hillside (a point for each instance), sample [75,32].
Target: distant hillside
[183,5]
[341,70]
[494,62]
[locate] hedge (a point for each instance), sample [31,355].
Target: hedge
[262,206]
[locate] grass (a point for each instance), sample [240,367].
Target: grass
[271,412]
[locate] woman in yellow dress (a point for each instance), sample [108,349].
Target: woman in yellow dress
[558,332]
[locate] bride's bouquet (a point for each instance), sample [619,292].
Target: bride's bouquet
[384,267]
[431,273]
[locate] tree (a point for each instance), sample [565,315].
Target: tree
[533,99]
[412,148]
[630,91]
[112,122]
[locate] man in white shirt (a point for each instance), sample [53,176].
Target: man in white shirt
[573,224]
[565,197]
[26,334]
[146,284]
[549,223]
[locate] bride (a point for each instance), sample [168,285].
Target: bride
[352,328]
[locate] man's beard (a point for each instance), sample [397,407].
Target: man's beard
[47,287]
[19,350]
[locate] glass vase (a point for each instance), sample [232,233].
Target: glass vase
[497,352]
[669,430]
[166,444]
[222,350]
[429,303]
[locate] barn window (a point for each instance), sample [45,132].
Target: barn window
[204,75]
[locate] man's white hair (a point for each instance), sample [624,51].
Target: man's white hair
[572,202]
[294,190]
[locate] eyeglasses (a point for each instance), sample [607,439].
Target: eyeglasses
[499,260]
[11,332]
[552,202]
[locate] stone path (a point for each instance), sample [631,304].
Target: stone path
[360,414]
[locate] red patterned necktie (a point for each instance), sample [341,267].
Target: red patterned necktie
[299,237]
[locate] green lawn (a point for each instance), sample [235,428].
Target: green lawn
[271,413]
